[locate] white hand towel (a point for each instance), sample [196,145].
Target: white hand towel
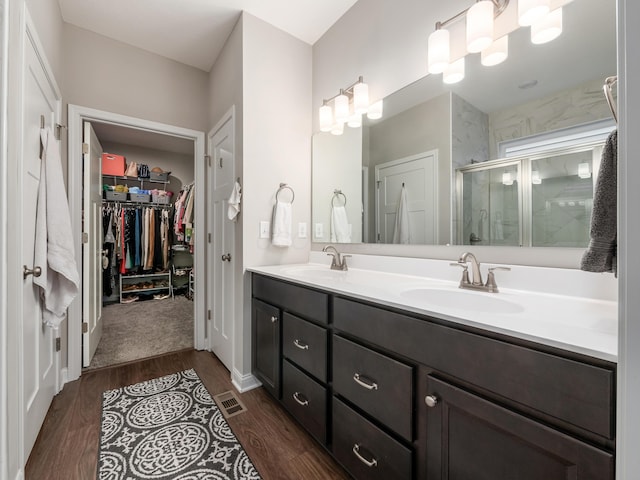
[281,225]
[401,232]
[234,202]
[54,253]
[340,231]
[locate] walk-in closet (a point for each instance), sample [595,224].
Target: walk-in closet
[146,243]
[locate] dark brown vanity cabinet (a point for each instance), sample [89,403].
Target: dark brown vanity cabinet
[469,437]
[266,352]
[399,395]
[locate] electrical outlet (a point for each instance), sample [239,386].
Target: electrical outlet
[264,229]
[302,230]
[319,233]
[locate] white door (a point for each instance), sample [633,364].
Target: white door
[39,357]
[220,250]
[419,175]
[92,247]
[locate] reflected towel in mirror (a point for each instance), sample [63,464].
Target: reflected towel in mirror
[401,233]
[340,228]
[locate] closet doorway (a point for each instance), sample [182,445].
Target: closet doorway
[146,287]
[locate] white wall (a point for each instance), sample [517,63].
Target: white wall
[108,75]
[277,135]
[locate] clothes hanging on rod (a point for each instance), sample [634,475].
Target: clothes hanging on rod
[137,239]
[184,215]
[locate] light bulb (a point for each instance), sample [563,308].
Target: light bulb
[326,118]
[438,51]
[341,107]
[495,53]
[337,128]
[375,110]
[583,170]
[360,98]
[506,179]
[548,28]
[530,11]
[454,72]
[480,26]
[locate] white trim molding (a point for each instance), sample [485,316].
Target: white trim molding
[244,383]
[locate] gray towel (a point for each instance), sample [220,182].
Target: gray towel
[600,255]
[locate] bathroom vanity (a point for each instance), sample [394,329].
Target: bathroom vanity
[399,391]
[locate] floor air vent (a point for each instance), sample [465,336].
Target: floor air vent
[229,404]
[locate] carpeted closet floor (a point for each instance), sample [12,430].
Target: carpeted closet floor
[144,329]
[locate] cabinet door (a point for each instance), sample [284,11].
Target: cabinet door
[470,438]
[266,346]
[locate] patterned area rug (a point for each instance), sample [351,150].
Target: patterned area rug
[168,428]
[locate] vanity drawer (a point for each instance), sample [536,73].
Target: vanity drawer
[357,443]
[306,400]
[568,390]
[304,302]
[379,385]
[305,344]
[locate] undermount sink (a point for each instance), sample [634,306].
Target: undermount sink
[460,299]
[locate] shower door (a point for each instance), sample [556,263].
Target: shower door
[490,204]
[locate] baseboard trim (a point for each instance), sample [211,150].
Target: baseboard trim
[244,383]
[64,378]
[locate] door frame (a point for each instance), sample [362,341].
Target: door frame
[76,116]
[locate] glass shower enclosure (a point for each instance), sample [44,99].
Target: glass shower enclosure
[541,200]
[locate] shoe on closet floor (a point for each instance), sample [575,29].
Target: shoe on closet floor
[161,296]
[130,299]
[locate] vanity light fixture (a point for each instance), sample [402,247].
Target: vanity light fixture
[495,53]
[530,11]
[348,107]
[547,28]
[454,72]
[583,170]
[507,179]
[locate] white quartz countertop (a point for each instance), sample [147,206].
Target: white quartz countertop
[575,323]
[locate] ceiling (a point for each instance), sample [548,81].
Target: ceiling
[193,32]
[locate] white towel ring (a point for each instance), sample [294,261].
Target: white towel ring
[336,195]
[284,186]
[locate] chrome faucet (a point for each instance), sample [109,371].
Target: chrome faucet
[339,262]
[476,276]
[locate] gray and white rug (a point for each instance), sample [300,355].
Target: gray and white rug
[168,428]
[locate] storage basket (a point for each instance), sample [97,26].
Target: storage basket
[116,196]
[140,197]
[112,164]
[159,176]
[161,199]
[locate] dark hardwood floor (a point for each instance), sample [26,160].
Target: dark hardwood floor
[67,447]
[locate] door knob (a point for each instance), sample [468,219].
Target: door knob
[226,257]
[36,272]
[431,401]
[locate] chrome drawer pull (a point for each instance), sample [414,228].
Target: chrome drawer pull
[304,403]
[369,463]
[362,383]
[274,319]
[301,346]
[431,401]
